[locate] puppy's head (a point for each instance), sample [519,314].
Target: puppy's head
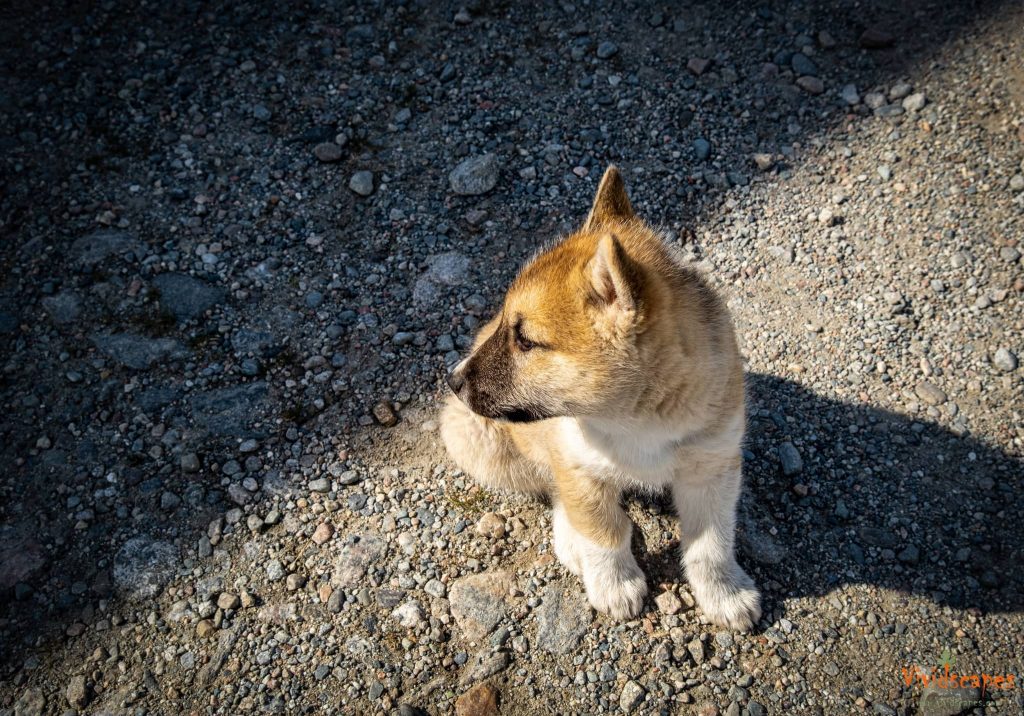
[564,341]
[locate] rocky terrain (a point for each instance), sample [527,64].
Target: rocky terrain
[241,243]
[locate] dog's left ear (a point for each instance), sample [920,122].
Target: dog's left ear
[615,279]
[611,203]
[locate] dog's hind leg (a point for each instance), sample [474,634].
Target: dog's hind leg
[484,450]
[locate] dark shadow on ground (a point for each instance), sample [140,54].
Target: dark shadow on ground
[883,499]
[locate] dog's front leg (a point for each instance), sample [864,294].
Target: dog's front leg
[592,537]
[705,498]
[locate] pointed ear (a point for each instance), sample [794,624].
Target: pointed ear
[611,202]
[614,278]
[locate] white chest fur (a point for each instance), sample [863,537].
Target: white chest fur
[632,451]
[641,453]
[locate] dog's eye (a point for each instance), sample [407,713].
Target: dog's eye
[522,342]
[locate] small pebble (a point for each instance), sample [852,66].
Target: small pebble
[361,183]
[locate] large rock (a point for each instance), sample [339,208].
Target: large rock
[143,566]
[481,700]
[811,85]
[757,543]
[562,620]
[410,614]
[63,308]
[631,696]
[30,703]
[803,65]
[92,249]
[21,556]
[474,176]
[225,645]
[138,352]
[232,412]
[259,343]
[152,399]
[359,552]
[877,537]
[447,269]
[484,664]
[1005,360]
[877,38]
[279,613]
[930,393]
[789,456]
[327,152]
[77,692]
[186,297]
[478,602]
[938,701]
[361,183]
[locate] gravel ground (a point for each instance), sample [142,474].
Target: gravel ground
[241,242]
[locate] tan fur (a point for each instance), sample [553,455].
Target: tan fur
[592,506]
[604,342]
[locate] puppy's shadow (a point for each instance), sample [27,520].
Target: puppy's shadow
[881,499]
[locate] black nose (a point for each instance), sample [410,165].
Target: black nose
[456,381]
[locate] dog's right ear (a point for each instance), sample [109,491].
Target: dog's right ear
[615,280]
[611,203]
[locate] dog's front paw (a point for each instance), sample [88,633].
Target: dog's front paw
[614,582]
[567,543]
[732,602]
[616,586]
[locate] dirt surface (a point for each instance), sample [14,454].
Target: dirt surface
[242,243]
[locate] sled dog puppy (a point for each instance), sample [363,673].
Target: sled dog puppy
[610,367]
